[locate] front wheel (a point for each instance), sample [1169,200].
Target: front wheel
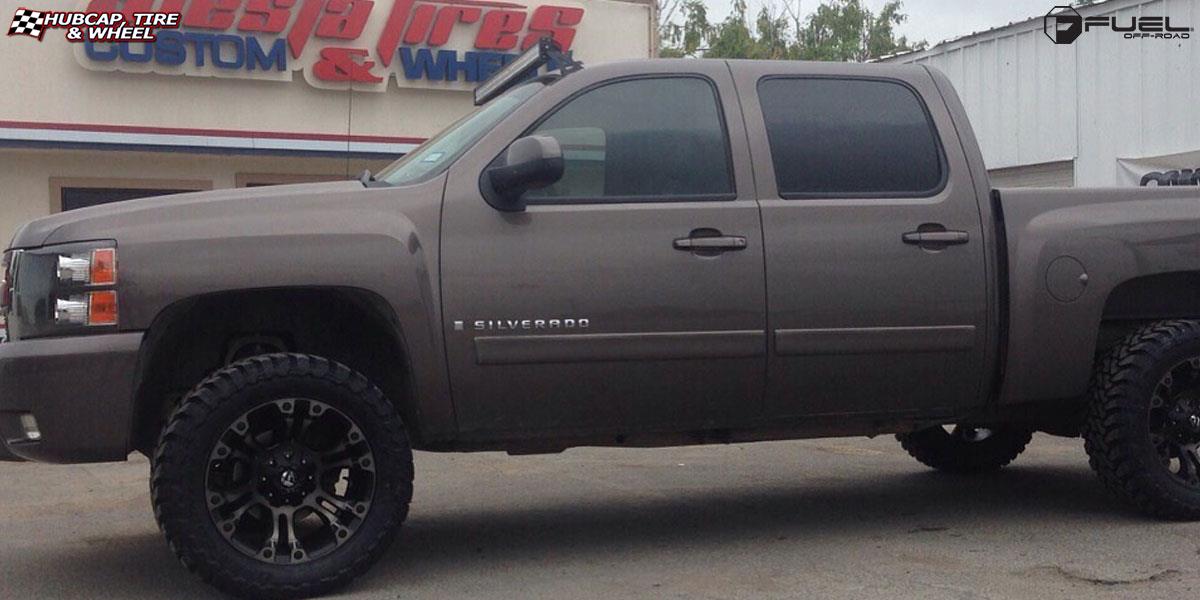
[1143,428]
[966,449]
[282,475]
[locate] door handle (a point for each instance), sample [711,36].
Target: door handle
[934,236]
[948,238]
[725,242]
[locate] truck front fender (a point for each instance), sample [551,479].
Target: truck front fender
[381,240]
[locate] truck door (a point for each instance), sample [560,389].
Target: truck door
[629,295]
[877,282]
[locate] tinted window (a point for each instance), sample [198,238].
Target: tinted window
[640,138]
[840,137]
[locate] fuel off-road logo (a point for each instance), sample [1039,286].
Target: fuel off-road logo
[1064,25]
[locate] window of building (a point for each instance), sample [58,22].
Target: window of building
[73,193]
[849,138]
[640,139]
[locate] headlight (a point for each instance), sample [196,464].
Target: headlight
[68,288]
[98,267]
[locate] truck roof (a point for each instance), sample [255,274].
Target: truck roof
[782,67]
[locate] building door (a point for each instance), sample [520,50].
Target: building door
[629,295]
[877,288]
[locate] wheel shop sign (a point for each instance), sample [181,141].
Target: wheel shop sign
[1172,169]
[335,43]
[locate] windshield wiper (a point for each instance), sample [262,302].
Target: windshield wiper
[545,52]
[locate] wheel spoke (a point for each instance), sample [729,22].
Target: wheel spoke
[241,445]
[340,524]
[362,464]
[226,451]
[283,546]
[1189,461]
[298,421]
[229,512]
[342,506]
[347,455]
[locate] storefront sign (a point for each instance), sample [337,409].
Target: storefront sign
[336,43]
[1172,169]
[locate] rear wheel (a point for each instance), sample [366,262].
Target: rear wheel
[282,475]
[1143,429]
[966,449]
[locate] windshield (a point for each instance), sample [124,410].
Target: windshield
[438,152]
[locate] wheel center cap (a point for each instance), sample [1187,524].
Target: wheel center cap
[287,479]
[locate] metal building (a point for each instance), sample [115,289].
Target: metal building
[1119,105]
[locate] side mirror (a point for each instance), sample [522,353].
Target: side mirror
[530,163]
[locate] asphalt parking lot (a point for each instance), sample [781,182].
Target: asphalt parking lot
[845,518]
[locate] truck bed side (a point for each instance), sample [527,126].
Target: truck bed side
[1085,264]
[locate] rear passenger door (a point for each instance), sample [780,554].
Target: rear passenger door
[877,286]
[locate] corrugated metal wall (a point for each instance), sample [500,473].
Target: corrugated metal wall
[1099,99]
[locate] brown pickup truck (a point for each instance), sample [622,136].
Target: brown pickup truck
[646,253]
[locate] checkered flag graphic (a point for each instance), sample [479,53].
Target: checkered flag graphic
[28,22]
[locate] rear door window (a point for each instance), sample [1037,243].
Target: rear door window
[863,138]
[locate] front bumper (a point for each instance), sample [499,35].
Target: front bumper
[80,391]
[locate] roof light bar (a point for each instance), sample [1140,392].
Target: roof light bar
[524,66]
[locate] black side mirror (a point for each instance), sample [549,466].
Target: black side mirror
[530,163]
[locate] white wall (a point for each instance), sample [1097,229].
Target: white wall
[1099,99]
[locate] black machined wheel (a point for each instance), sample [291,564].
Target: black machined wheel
[1143,428]
[290,480]
[966,448]
[282,476]
[1174,419]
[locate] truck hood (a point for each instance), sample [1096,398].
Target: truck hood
[95,222]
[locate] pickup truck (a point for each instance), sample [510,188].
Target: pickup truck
[637,254]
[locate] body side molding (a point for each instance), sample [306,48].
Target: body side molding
[535,349]
[874,340]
